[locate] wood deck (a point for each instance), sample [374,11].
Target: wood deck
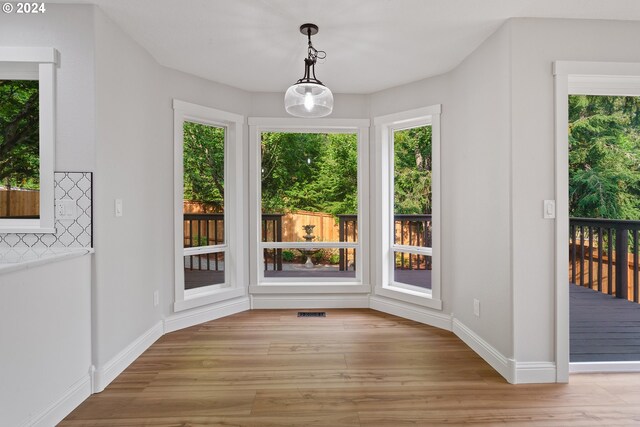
[353,368]
[602,328]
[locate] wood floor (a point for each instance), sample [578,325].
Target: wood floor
[352,368]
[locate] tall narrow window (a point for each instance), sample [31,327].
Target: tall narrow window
[412,207]
[203,204]
[309,207]
[408,144]
[208,206]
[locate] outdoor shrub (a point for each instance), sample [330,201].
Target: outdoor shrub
[318,256]
[200,240]
[334,259]
[288,256]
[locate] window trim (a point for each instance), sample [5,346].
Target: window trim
[47,59]
[233,286]
[385,126]
[258,283]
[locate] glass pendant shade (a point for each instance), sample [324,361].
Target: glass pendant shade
[308,100]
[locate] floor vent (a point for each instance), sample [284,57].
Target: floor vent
[312,314]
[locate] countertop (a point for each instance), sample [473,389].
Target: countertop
[18,258]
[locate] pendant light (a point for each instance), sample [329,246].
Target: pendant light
[308,97]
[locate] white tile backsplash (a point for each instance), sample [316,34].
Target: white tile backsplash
[69,233]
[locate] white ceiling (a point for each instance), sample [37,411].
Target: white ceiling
[371,44]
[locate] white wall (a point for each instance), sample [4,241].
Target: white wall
[535,44]
[128,143]
[69,29]
[134,150]
[45,334]
[477,191]
[475,183]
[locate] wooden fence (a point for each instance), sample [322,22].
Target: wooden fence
[326,226]
[19,203]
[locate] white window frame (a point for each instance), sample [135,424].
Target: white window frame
[308,285]
[385,126]
[22,63]
[233,286]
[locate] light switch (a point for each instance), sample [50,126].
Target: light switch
[549,209]
[118,207]
[66,209]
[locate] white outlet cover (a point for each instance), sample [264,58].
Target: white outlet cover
[66,209]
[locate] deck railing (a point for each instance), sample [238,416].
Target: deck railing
[413,230]
[603,256]
[272,232]
[203,229]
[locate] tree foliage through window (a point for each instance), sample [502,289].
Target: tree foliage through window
[204,164]
[19,134]
[604,157]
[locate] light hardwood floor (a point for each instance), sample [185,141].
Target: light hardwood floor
[352,368]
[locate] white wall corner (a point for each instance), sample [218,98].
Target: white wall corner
[412,312]
[535,372]
[205,314]
[62,407]
[110,370]
[504,365]
[311,301]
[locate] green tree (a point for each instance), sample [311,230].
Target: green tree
[19,133]
[337,182]
[204,164]
[291,162]
[604,157]
[412,170]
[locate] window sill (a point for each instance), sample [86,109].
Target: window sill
[413,297]
[205,298]
[306,288]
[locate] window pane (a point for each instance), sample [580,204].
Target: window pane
[203,184]
[412,186]
[309,187]
[203,270]
[19,149]
[412,269]
[305,263]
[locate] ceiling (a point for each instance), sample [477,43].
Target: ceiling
[371,44]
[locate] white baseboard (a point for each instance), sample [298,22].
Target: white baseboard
[502,364]
[535,372]
[204,314]
[593,367]
[70,400]
[411,312]
[107,373]
[309,301]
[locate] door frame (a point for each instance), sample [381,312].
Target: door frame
[574,77]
